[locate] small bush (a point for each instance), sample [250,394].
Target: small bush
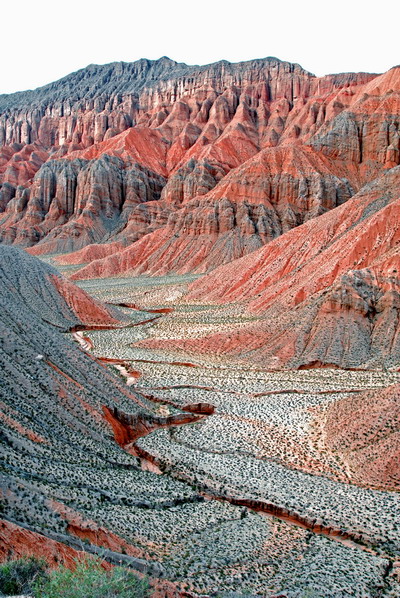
[19,576]
[90,580]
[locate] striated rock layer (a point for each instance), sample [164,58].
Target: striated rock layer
[220,216]
[28,284]
[275,191]
[325,293]
[180,168]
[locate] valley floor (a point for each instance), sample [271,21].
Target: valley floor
[317,528]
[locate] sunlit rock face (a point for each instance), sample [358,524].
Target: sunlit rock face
[213,162]
[156,167]
[324,294]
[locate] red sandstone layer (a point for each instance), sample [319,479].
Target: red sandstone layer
[192,161]
[326,293]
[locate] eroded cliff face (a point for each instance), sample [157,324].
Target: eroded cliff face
[72,203]
[156,167]
[273,192]
[323,294]
[94,103]
[212,162]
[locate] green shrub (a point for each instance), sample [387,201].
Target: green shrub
[20,575]
[90,580]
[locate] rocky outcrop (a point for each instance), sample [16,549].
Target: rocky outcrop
[367,133]
[67,549]
[195,178]
[326,293]
[364,224]
[280,187]
[89,311]
[357,323]
[154,125]
[73,203]
[269,194]
[19,163]
[28,284]
[128,428]
[90,531]
[97,101]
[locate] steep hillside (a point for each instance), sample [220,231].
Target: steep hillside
[90,465]
[59,412]
[325,293]
[212,162]
[32,286]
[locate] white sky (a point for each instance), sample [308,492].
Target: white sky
[42,41]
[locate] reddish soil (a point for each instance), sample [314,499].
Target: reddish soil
[17,541]
[89,311]
[89,530]
[324,294]
[9,420]
[127,429]
[364,429]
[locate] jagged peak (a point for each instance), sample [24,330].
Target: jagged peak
[126,77]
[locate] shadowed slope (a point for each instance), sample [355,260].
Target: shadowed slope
[56,443]
[29,284]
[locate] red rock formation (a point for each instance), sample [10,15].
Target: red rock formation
[87,529]
[278,187]
[73,203]
[87,309]
[364,224]
[19,163]
[16,541]
[127,429]
[327,292]
[368,131]
[274,191]
[192,126]
[87,254]
[194,167]
[145,146]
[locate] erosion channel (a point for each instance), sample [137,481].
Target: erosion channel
[250,438]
